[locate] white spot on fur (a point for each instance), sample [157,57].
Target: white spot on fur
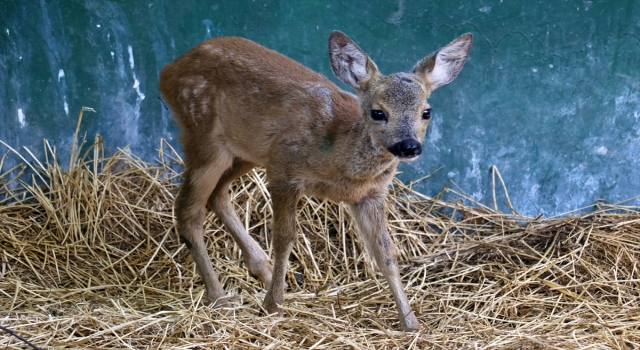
[324,94]
[193,111]
[212,49]
[21,118]
[199,88]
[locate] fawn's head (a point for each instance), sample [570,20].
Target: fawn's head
[395,107]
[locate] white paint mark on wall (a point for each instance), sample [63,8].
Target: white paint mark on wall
[474,174]
[133,123]
[132,63]
[534,190]
[136,82]
[565,111]
[61,77]
[21,118]
[434,133]
[587,4]
[207,24]
[591,184]
[396,17]
[628,99]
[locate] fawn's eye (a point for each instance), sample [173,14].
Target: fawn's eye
[378,115]
[426,114]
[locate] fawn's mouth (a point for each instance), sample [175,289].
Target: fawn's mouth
[407,159]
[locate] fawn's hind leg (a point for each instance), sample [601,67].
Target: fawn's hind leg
[202,172]
[220,202]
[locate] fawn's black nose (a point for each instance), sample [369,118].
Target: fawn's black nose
[406,149]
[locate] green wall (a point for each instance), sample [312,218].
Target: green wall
[549,96]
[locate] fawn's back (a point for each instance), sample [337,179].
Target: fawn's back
[270,110]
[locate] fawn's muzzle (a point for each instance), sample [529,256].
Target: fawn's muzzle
[406,149]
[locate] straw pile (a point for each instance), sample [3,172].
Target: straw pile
[89,258]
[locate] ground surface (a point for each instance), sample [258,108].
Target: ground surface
[90,259]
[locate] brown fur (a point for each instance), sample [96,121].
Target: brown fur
[241,105]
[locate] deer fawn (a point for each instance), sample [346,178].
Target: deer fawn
[240,105]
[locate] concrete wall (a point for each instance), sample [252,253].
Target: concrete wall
[549,95]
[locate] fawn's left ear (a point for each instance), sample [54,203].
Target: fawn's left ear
[443,66]
[349,63]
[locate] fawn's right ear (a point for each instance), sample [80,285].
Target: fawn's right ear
[349,63]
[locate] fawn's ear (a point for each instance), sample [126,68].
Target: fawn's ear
[443,66]
[349,63]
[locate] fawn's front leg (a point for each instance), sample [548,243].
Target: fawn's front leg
[285,201]
[370,218]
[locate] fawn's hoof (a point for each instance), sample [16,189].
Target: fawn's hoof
[410,322]
[271,306]
[263,272]
[219,300]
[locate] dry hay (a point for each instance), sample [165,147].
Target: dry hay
[90,259]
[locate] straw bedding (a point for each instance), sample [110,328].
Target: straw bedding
[89,258]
